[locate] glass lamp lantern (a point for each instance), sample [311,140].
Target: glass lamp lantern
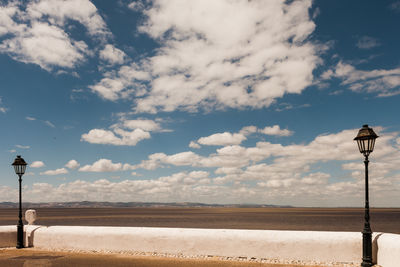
[19,165]
[366,140]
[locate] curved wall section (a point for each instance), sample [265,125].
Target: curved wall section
[306,246]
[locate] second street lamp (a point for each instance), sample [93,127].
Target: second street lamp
[366,141]
[19,167]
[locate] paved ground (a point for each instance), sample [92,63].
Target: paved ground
[29,257]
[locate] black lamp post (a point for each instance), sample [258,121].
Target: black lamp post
[19,167]
[366,142]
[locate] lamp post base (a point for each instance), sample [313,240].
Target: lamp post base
[367,248]
[20,236]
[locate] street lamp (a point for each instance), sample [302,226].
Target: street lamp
[366,142]
[19,167]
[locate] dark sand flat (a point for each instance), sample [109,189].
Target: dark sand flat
[311,219]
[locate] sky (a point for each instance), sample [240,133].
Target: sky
[206,101]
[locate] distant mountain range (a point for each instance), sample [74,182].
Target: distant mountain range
[93,204]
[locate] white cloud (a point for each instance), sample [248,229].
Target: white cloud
[32,46]
[193,144]
[55,172]
[105,165]
[59,12]
[23,147]
[382,82]
[136,6]
[48,123]
[222,139]
[2,109]
[288,161]
[127,81]
[203,63]
[119,137]
[30,118]
[72,164]
[247,130]
[276,130]
[264,173]
[126,132]
[229,139]
[8,193]
[228,170]
[176,187]
[144,124]
[112,55]
[367,42]
[156,160]
[35,32]
[37,164]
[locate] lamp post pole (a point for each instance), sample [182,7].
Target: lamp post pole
[366,141]
[19,165]
[20,226]
[367,233]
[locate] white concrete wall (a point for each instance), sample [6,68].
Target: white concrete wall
[388,250]
[8,236]
[282,245]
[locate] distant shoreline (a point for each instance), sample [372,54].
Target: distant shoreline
[95,204]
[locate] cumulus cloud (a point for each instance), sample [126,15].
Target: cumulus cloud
[276,130]
[175,187]
[263,173]
[55,172]
[229,139]
[381,82]
[144,124]
[35,32]
[102,165]
[127,81]
[288,161]
[222,139]
[31,45]
[193,144]
[105,165]
[187,158]
[72,164]
[127,132]
[203,63]
[37,164]
[118,138]
[112,55]
[59,12]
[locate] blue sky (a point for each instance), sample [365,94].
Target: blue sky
[200,101]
